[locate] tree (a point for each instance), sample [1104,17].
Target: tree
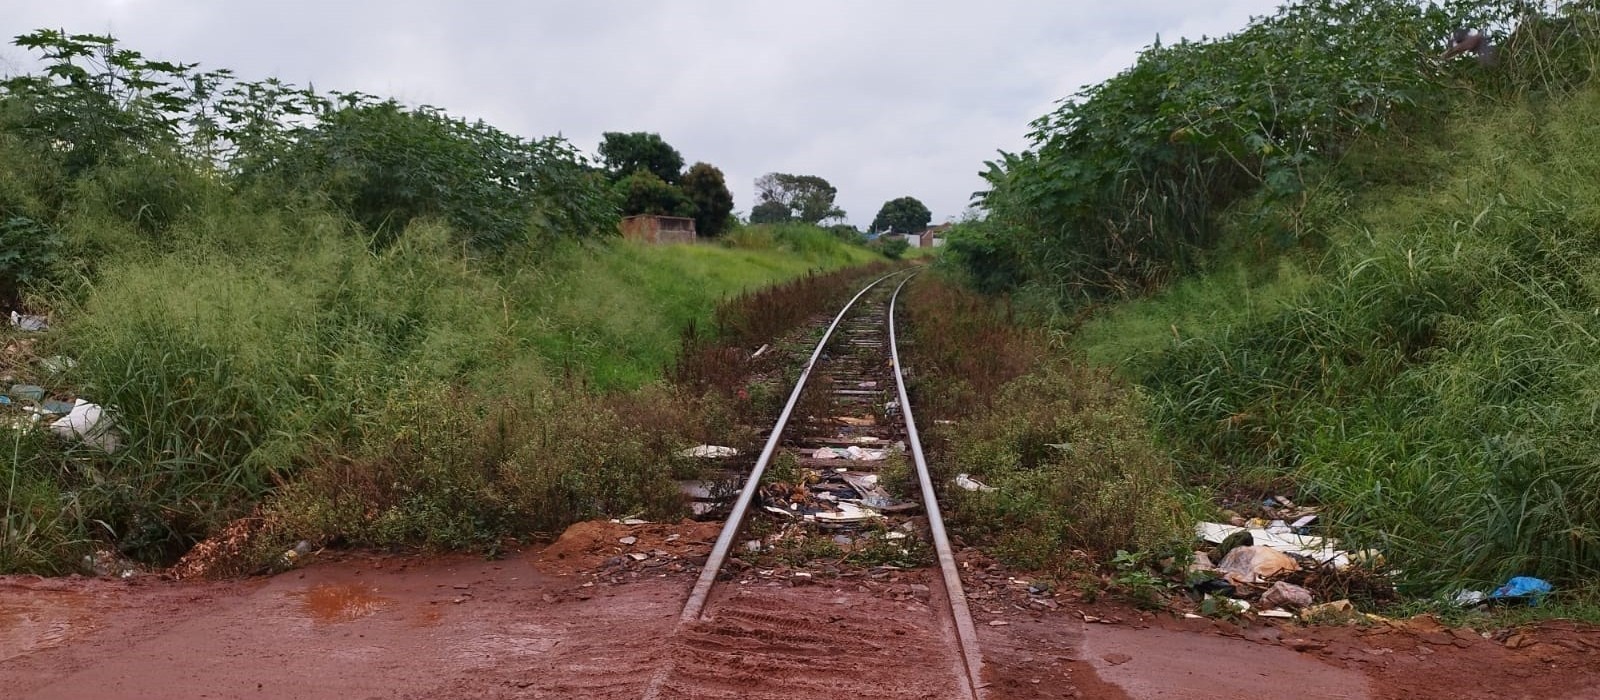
[644,193]
[807,198]
[770,213]
[705,187]
[622,154]
[903,215]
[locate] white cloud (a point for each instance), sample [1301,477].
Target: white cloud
[884,99]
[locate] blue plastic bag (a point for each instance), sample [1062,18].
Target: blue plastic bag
[1525,587]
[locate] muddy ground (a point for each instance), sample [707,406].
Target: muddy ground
[591,617]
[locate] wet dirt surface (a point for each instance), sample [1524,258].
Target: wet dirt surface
[583,620]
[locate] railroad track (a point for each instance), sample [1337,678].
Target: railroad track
[745,643]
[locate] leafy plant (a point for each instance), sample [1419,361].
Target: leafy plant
[894,248]
[28,251]
[1123,183]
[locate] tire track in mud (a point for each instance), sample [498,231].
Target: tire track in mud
[805,643]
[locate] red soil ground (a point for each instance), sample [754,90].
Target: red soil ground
[583,619]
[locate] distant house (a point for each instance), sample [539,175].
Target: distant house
[931,238]
[650,228]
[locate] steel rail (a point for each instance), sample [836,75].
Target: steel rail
[966,633]
[719,553]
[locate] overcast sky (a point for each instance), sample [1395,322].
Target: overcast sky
[883,98]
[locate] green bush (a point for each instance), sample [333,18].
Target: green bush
[894,248]
[1432,384]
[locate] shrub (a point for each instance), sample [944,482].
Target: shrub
[1072,460]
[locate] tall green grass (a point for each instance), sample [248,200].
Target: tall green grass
[248,347]
[1432,379]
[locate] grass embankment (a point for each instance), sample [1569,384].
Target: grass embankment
[414,395]
[1430,376]
[1076,471]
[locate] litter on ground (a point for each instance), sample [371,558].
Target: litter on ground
[970,484]
[32,324]
[87,422]
[710,452]
[1321,550]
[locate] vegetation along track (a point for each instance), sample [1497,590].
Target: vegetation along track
[826,480]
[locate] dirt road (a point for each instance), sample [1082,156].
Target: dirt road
[580,619]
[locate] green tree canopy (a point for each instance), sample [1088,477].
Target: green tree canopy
[807,198]
[770,213]
[902,215]
[624,153]
[644,193]
[708,190]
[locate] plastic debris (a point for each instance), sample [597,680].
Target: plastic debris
[32,324]
[87,422]
[1276,612]
[847,513]
[853,453]
[58,364]
[862,454]
[27,392]
[1522,588]
[759,352]
[971,484]
[1247,565]
[710,452]
[1467,599]
[872,494]
[1318,549]
[1286,595]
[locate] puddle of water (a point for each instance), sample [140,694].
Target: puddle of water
[341,602]
[29,623]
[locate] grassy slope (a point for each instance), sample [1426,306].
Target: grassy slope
[244,349]
[620,313]
[1431,375]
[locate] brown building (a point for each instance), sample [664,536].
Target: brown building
[649,228]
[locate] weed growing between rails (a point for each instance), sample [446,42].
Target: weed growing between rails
[722,357]
[1074,469]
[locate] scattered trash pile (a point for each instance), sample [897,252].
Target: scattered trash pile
[25,406]
[1250,558]
[1519,590]
[1274,561]
[838,496]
